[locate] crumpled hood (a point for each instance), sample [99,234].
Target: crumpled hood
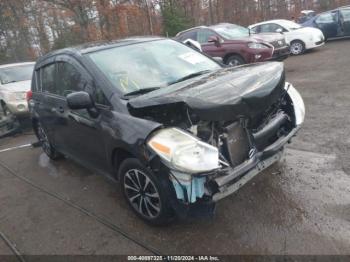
[22,86]
[223,95]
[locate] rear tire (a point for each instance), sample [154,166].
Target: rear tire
[297,47]
[46,145]
[144,193]
[234,60]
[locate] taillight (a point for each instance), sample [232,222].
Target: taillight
[29,95]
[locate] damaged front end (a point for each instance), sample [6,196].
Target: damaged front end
[209,158]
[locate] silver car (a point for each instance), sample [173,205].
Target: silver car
[15,81]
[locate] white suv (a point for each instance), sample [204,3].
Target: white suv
[15,82]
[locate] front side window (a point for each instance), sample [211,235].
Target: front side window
[326,18]
[345,15]
[189,35]
[150,65]
[47,74]
[69,79]
[231,31]
[204,35]
[255,30]
[16,74]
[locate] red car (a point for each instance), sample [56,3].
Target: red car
[236,45]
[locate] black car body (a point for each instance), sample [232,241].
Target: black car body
[178,148]
[333,24]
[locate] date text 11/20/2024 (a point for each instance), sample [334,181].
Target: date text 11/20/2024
[173,258]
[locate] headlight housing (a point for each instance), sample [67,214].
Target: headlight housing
[15,96]
[298,102]
[257,46]
[183,152]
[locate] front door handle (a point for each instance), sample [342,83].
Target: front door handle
[60,109]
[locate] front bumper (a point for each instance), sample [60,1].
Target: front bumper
[280,54]
[18,108]
[200,192]
[314,44]
[234,179]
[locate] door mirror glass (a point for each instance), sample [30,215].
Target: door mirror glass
[80,100]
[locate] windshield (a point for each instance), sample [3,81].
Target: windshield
[16,73]
[291,25]
[150,65]
[232,32]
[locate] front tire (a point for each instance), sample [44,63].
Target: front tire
[144,193]
[234,60]
[297,47]
[46,145]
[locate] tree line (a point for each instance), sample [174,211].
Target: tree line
[31,28]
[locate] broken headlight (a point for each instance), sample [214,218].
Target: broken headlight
[298,103]
[183,152]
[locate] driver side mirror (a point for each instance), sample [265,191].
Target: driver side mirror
[215,40]
[279,30]
[80,100]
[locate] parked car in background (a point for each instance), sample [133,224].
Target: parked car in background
[333,24]
[15,82]
[305,15]
[298,37]
[178,130]
[236,45]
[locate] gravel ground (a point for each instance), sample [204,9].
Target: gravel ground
[299,206]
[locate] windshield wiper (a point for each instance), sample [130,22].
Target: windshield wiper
[9,82]
[190,76]
[140,92]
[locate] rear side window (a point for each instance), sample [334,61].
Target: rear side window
[48,79]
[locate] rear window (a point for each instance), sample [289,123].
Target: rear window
[16,74]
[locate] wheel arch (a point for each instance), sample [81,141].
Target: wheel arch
[119,154]
[298,40]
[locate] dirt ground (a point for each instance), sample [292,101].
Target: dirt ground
[299,206]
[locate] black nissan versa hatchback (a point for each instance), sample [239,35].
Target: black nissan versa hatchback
[178,130]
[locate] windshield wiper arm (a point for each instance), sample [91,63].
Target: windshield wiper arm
[140,91]
[190,76]
[9,82]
